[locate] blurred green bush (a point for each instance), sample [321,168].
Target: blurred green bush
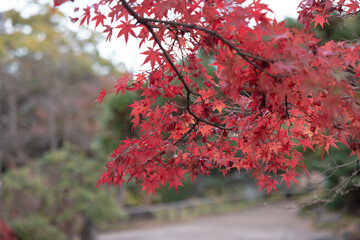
[60,188]
[36,228]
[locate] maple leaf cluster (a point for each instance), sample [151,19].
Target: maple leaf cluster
[274,89]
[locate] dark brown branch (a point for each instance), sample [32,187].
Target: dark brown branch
[211,32]
[203,120]
[145,22]
[244,55]
[241,53]
[175,143]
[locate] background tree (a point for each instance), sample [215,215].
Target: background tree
[46,72]
[275,88]
[49,79]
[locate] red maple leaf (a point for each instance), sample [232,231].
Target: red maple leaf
[73,20]
[150,184]
[320,19]
[262,180]
[163,7]
[289,176]
[305,142]
[353,6]
[219,105]
[86,16]
[60,2]
[101,96]
[205,129]
[122,83]
[108,29]
[271,185]
[205,94]
[99,19]
[175,177]
[126,28]
[152,56]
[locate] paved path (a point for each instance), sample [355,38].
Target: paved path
[265,222]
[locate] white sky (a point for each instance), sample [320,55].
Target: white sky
[129,54]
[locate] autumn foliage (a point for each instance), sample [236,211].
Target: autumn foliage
[275,91]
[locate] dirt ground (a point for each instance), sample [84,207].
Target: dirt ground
[265,222]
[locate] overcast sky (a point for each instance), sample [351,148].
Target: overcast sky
[129,54]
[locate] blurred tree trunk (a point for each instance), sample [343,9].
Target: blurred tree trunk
[1,137]
[88,229]
[52,129]
[19,156]
[121,195]
[0,174]
[69,231]
[196,186]
[66,128]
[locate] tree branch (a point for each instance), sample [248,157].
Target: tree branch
[145,22]
[241,53]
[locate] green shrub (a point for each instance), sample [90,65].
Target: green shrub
[60,186]
[36,228]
